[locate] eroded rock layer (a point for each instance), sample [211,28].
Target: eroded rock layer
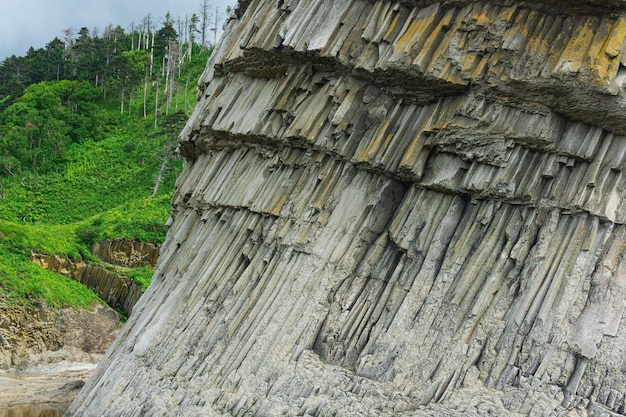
[118,291]
[392,208]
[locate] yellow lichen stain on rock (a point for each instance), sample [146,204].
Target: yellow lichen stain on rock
[405,39]
[539,44]
[604,71]
[451,39]
[371,148]
[558,44]
[481,68]
[277,203]
[571,59]
[412,39]
[383,149]
[515,37]
[450,73]
[616,40]
[507,14]
[433,42]
[414,153]
[391,28]
[607,63]
[481,17]
[603,29]
[496,65]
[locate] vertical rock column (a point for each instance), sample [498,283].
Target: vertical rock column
[392,208]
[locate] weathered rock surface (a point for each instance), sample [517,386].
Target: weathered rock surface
[39,335]
[112,286]
[28,333]
[42,391]
[126,252]
[108,281]
[392,208]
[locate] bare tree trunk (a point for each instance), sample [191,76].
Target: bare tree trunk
[189,38]
[214,29]
[130,101]
[174,63]
[170,74]
[123,93]
[205,17]
[166,67]
[145,96]
[156,105]
[162,170]
[182,30]
[186,91]
[132,36]
[151,54]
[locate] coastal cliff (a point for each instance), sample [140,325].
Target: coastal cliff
[392,208]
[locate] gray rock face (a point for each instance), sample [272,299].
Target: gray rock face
[126,252]
[392,208]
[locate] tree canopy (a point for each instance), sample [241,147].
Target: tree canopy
[36,127]
[109,60]
[54,96]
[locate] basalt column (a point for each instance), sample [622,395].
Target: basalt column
[392,208]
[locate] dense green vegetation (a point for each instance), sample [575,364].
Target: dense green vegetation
[24,282]
[87,136]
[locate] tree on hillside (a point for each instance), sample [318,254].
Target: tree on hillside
[192,32]
[164,37]
[14,76]
[33,132]
[37,127]
[174,52]
[83,56]
[133,66]
[54,61]
[113,46]
[168,51]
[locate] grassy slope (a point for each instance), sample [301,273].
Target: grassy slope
[102,190]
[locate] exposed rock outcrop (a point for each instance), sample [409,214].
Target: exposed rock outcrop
[34,335]
[117,290]
[126,252]
[392,208]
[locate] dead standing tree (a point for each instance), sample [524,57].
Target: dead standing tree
[205,21]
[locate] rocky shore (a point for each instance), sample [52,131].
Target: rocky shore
[45,389]
[46,355]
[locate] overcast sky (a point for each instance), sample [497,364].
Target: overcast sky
[26,23]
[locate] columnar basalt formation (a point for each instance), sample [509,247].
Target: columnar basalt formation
[118,290]
[110,283]
[392,208]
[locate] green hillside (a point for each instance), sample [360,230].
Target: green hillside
[87,150]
